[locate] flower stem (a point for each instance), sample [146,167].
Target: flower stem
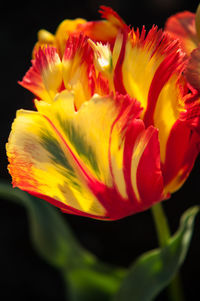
[163,234]
[161,224]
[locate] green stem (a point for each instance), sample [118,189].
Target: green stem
[163,234]
[162,227]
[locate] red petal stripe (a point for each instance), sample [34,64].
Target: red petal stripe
[118,79]
[181,152]
[167,68]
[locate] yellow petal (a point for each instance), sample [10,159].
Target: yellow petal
[147,65]
[83,129]
[64,29]
[40,163]
[140,65]
[168,108]
[61,153]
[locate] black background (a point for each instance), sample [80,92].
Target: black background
[23,274]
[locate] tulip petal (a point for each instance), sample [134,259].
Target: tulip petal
[64,30]
[111,15]
[118,59]
[125,125]
[181,151]
[41,162]
[177,116]
[49,174]
[182,26]
[63,156]
[149,174]
[146,66]
[45,38]
[169,106]
[78,68]
[44,78]
[142,168]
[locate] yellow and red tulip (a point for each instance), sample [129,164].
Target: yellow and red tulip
[116,127]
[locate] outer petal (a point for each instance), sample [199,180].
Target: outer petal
[144,66]
[44,78]
[178,119]
[181,151]
[182,26]
[169,106]
[177,116]
[142,166]
[149,175]
[50,155]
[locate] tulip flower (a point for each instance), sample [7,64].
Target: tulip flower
[185,26]
[115,129]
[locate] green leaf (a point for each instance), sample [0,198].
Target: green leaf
[154,270]
[86,278]
[96,282]
[49,232]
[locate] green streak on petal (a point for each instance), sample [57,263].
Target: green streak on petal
[58,157]
[78,140]
[55,150]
